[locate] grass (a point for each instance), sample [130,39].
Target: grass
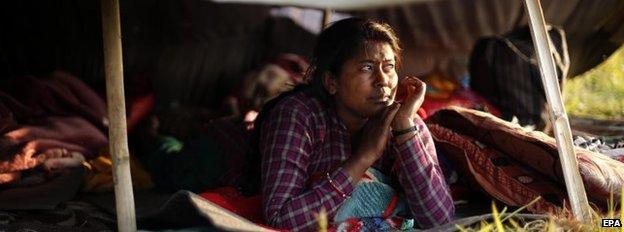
[599,92]
[560,221]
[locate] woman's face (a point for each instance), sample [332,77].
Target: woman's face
[367,82]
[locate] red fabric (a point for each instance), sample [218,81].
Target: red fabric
[354,226]
[139,109]
[228,198]
[391,206]
[422,113]
[463,97]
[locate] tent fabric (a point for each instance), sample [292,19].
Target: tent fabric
[196,50]
[438,34]
[330,4]
[193,51]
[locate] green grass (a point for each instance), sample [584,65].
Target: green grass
[599,92]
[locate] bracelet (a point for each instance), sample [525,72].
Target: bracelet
[331,182]
[405,131]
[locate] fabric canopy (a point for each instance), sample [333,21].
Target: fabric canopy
[332,4]
[194,51]
[436,34]
[440,34]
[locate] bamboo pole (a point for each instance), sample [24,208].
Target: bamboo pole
[558,116]
[118,138]
[327,13]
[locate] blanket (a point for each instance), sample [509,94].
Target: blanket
[47,123]
[373,205]
[533,150]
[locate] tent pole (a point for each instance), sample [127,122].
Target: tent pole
[558,116]
[327,13]
[118,138]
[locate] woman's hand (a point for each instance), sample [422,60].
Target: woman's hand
[375,133]
[374,138]
[413,90]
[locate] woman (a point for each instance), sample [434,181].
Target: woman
[344,122]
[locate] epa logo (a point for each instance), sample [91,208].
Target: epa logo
[611,223]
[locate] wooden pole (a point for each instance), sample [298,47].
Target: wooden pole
[558,116]
[118,138]
[327,13]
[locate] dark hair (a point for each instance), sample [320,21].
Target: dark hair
[340,42]
[335,45]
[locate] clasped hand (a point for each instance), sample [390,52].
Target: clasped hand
[398,116]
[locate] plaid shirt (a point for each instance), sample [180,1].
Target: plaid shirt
[301,137]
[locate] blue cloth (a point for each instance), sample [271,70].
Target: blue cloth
[370,199]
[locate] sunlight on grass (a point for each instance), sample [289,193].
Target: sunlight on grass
[599,92]
[560,221]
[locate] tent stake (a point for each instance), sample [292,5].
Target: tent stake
[118,138]
[558,116]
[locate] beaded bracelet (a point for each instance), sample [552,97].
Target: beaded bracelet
[331,182]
